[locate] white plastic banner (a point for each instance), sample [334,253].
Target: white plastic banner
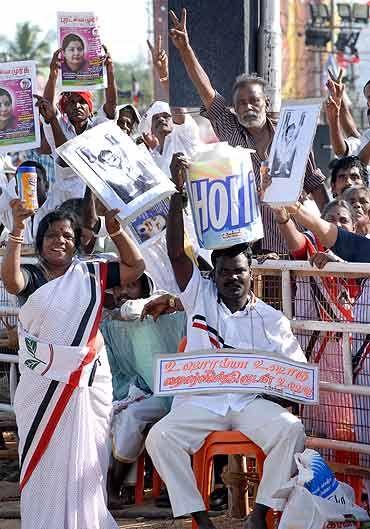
[236,370]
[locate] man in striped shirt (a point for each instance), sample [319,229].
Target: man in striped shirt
[248,126]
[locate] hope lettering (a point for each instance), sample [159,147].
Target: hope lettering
[213,202]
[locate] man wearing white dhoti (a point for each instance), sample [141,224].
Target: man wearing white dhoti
[223,312]
[64,397]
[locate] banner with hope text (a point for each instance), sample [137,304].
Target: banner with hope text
[236,371]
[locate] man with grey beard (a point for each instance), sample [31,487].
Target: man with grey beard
[247,125]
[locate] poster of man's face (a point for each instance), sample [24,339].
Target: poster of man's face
[286,144]
[122,175]
[127,178]
[290,150]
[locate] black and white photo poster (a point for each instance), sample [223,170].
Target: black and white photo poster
[290,150]
[121,174]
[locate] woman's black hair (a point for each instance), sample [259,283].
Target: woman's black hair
[55,216]
[4,92]
[71,37]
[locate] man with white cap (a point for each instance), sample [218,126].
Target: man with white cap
[179,135]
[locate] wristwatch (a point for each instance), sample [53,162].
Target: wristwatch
[172,302]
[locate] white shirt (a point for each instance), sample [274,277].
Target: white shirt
[355,145]
[211,325]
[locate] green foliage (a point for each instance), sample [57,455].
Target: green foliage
[28,44]
[142,73]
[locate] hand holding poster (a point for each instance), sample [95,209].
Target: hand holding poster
[290,150]
[236,370]
[79,38]
[223,197]
[19,116]
[122,175]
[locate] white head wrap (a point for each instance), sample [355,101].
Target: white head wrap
[155,108]
[129,107]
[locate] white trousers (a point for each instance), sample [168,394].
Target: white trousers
[182,432]
[130,424]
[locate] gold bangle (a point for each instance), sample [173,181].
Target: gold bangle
[14,238]
[114,234]
[163,79]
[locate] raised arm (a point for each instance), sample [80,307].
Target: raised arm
[131,261]
[333,109]
[337,90]
[11,272]
[198,76]
[50,87]
[110,104]
[326,231]
[47,111]
[160,64]
[295,239]
[181,263]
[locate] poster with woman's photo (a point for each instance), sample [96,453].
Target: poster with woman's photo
[19,116]
[149,226]
[121,174]
[290,150]
[81,56]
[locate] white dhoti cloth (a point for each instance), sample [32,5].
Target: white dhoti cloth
[129,425]
[182,432]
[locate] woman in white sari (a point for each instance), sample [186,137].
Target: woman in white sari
[63,400]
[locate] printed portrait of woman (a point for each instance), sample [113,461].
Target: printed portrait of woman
[151,226]
[7,117]
[73,54]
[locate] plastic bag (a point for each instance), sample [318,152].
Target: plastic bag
[318,499]
[223,197]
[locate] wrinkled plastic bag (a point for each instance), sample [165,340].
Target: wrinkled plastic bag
[223,196]
[317,499]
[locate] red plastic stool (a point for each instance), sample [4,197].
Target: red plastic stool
[139,487]
[226,443]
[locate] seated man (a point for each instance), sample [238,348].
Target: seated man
[230,316]
[131,344]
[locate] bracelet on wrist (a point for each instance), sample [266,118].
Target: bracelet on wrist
[116,233]
[18,239]
[163,79]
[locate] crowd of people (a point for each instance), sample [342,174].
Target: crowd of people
[96,306]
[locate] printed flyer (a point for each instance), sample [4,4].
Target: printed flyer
[19,116]
[81,56]
[149,226]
